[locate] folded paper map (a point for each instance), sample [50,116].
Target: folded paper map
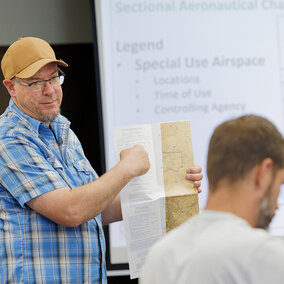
[162,199]
[181,196]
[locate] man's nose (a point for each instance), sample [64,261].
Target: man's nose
[48,89]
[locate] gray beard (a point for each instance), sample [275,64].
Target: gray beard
[49,117]
[265,214]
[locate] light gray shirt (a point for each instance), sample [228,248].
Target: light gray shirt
[215,247]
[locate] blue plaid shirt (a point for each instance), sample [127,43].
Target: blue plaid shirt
[33,161]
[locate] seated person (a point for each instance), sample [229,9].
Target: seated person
[227,242]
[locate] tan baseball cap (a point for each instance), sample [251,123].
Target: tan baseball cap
[26,56]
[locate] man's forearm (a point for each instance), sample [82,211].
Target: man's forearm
[73,207]
[113,212]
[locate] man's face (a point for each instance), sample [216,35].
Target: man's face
[269,202]
[44,105]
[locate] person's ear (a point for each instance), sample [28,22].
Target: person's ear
[263,176]
[10,86]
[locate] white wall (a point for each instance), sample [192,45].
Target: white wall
[56,21]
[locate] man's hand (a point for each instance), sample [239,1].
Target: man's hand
[194,174]
[136,159]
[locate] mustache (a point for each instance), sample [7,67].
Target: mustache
[50,98]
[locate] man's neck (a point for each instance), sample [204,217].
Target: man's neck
[231,201]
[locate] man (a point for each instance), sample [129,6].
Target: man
[226,243]
[52,207]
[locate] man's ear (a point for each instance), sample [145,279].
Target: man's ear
[10,86]
[263,176]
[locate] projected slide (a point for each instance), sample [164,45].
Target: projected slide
[203,61]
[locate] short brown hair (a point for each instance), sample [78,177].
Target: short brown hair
[238,145]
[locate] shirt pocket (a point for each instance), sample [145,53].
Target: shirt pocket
[83,172]
[61,170]
[82,167]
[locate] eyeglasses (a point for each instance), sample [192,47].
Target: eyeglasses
[38,86]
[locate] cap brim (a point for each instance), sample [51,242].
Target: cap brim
[35,67]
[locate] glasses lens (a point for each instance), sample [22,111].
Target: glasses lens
[54,82]
[61,79]
[37,86]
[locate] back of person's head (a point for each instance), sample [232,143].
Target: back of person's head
[238,145]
